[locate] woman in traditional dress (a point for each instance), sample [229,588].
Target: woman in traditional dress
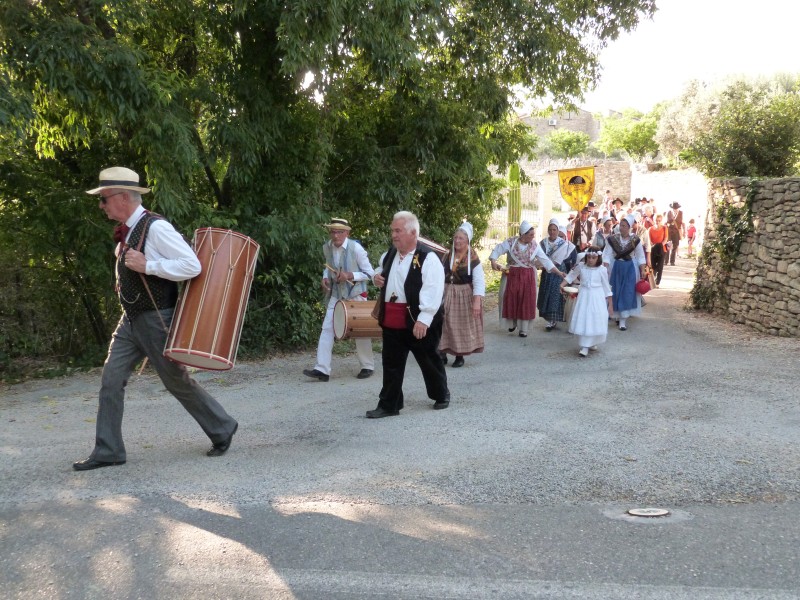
[518,284]
[464,290]
[624,257]
[605,230]
[594,305]
[563,254]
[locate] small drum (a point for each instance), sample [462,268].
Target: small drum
[208,319]
[570,296]
[353,319]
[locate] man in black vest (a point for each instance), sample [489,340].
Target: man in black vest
[151,258]
[583,229]
[410,313]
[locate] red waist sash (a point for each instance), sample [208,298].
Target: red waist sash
[394,315]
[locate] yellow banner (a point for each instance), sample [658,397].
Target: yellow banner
[577,186]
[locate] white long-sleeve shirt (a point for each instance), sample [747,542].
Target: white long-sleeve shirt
[365,270]
[478,280]
[430,296]
[167,253]
[532,251]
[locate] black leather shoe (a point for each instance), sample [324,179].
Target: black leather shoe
[443,356]
[511,329]
[316,374]
[523,334]
[90,463]
[362,374]
[222,447]
[458,362]
[440,404]
[379,413]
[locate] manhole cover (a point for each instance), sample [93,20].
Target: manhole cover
[648,512]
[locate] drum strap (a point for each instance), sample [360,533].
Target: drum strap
[144,279]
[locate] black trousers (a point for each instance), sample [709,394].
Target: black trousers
[657,256]
[675,238]
[397,343]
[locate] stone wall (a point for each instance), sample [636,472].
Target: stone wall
[582,121]
[762,287]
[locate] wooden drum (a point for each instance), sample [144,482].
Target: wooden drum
[353,319]
[430,244]
[570,296]
[208,320]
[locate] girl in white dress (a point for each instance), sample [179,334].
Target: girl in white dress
[590,316]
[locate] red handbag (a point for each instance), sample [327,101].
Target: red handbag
[642,286]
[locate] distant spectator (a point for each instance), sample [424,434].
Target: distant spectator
[603,232]
[691,235]
[608,201]
[658,240]
[617,211]
[676,230]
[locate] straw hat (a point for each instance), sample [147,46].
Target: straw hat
[340,224]
[119,178]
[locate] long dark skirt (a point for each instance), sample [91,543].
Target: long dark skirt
[550,301]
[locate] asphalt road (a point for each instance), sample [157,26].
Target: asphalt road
[518,490]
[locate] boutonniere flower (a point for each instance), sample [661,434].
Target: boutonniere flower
[415,262]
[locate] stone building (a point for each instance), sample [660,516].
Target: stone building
[581,120]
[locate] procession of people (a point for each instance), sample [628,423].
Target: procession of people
[429,298]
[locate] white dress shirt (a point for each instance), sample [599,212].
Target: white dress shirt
[167,253]
[430,296]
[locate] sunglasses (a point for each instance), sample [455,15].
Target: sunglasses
[104,199]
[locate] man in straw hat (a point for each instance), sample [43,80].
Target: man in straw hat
[151,258]
[347,270]
[411,278]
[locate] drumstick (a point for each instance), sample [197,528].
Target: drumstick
[330,268]
[144,364]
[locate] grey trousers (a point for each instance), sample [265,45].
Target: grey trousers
[131,342]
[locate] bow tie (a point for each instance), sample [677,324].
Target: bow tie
[121,232]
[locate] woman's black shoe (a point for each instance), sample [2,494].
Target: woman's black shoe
[458,362]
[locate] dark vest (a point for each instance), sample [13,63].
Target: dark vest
[576,231]
[412,286]
[460,276]
[132,294]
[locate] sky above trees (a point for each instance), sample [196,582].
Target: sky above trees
[686,40]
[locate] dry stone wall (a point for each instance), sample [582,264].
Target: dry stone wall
[762,286]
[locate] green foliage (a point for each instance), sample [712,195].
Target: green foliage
[268,118]
[732,224]
[754,132]
[632,133]
[563,143]
[742,127]
[514,199]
